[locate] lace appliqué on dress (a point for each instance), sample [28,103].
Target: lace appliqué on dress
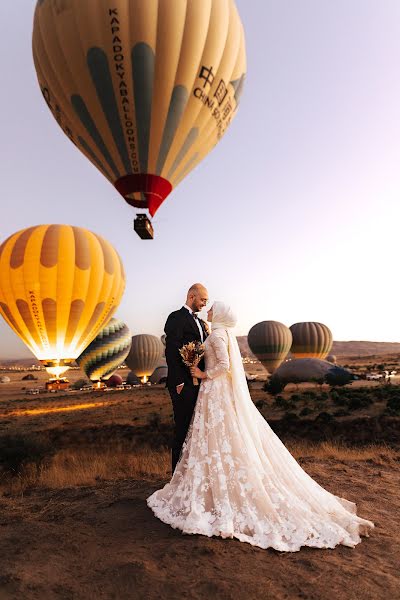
[235,478]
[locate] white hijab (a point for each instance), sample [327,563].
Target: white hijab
[224,318]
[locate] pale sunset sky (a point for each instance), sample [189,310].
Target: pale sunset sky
[293,217]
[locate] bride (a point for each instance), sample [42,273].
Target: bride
[235,478]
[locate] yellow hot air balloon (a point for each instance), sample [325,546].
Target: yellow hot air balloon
[59,285]
[311,340]
[144,88]
[270,341]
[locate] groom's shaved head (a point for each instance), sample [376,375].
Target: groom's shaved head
[197,297]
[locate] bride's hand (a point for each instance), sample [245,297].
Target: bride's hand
[196,372]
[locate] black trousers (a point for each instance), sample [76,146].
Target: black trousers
[183,406]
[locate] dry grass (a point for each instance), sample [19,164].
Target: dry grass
[378,454]
[70,468]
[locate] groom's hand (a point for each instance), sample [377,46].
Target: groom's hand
[179,388]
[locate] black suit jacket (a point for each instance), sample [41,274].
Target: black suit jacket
[180,329]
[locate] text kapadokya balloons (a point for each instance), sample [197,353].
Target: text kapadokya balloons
[311,340]
[145,355]
[106,352]
[59,286]
[144,88]
[270,341]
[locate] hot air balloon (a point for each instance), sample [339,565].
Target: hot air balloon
[114,381]
[144,88]
[159,375]
[270,341]
[59,286]
[308,369]
[145,355]
[311,340]
[106,352]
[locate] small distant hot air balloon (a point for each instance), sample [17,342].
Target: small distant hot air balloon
[145,355]
[160,374]
[311,340]
[106,352]
[270,341]
[144,88]
[114,381]
[59,286]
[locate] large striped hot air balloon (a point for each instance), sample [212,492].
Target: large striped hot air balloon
[311,340]
[145,355]
[144,88]
[106,352]
[59,286]
[270,341]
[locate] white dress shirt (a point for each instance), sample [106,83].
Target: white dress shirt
[197,323]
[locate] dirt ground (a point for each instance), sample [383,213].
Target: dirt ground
[66,535]
[102,542]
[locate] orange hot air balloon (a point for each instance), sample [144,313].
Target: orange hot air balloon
[311,340]
[144,88]
[270,341]
[59,286]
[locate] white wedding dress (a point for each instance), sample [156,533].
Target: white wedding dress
[235,478]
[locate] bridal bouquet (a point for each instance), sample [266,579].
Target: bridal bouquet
[192,353]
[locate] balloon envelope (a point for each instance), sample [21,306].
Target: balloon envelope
[311,340]
[114,380]
[310,370]
[144,88]
[270,341]
[59,285]
[106,352]
[145,354]
[160,374]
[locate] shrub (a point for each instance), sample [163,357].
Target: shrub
[341,413]
[154,421]
[295,397]
[324,417]
[290,417]
[280,402]
[306,411]
[273,386]
[310,395]
[359,401]
[339,400]
[17,450]
[393,404]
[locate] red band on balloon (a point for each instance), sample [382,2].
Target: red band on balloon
[154,188]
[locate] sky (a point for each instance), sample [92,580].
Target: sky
[295,214]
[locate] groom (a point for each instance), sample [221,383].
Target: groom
[183,326]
